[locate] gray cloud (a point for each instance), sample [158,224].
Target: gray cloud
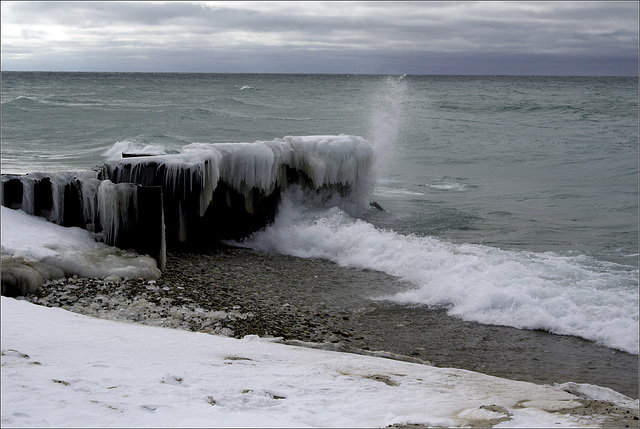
[328,37]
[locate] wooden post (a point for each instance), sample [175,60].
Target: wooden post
[12,193]
[150,233]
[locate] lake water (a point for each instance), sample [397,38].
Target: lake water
[507,201]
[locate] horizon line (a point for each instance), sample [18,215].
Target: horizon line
[324,73]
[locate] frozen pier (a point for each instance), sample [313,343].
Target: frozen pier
[127,216]
[205,193]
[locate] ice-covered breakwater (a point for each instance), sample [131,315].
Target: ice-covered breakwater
[218,191]
[121,215]
[196,197]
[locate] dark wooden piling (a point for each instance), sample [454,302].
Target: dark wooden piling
[12,192]
[73,210]
[43,198]
[150,229]
[141,229]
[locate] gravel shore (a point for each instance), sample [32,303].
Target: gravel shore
[227,292]
[237,292]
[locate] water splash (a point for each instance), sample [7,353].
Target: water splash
[562,294]
[387,120]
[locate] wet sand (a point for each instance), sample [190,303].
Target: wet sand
[237,292]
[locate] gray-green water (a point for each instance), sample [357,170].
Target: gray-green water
[508,200]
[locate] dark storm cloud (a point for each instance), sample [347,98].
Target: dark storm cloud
[327,37]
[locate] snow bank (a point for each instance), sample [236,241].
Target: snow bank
[67,370]
[34,249]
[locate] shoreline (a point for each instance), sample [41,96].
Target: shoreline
[237,292]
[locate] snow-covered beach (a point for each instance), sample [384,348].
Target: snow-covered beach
[65,369]
[61,369]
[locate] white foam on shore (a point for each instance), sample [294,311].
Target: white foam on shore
[563,294]
[63,369]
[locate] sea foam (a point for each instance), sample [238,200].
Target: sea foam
[563,294]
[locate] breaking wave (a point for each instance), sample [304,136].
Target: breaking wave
[563,294]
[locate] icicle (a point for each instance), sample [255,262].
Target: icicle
[186,174]
[182,223]
[115,204]
[283,154]
[27,195]
[248,202]
[89,188]
[58,182]
[211,175]
[245,166]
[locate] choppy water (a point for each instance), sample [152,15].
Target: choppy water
[508,200]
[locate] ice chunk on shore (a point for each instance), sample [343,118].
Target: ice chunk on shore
[52,250]
[22,275]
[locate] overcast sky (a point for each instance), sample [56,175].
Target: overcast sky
[531,38]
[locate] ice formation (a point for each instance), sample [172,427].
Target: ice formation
[212,190]
[326,160]
[50,195]
[73,198]
[34,249]
[237,181]
[116,205]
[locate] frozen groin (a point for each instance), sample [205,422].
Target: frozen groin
[124,215]
[227,190]
[194,198]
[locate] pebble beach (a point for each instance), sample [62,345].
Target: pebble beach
[237,292]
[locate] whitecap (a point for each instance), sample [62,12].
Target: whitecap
[564,294]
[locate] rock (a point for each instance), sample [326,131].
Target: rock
[376,205]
